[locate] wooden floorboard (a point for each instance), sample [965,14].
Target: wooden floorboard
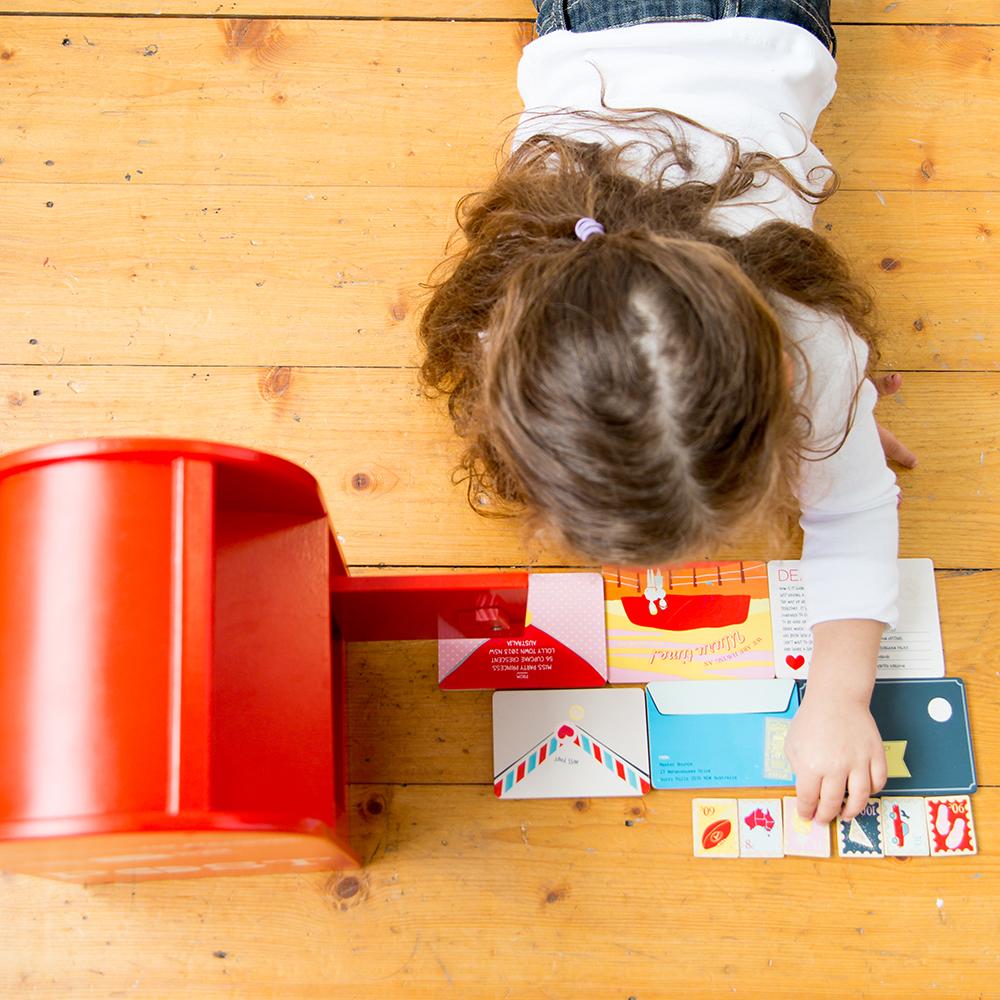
[138,101]
[339,422]
[467,897]
[218,227]
[843,11]
[194,274]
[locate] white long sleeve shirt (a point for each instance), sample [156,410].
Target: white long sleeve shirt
[758,81]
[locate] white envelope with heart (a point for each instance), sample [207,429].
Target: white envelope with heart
[575,743]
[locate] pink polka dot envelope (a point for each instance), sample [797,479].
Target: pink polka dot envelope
[563,643]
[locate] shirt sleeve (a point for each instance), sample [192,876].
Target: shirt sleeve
[848,497]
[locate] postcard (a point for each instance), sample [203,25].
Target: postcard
[911,649]
[698,621]
[925,727]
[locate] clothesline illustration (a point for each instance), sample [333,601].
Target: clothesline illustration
[711,574]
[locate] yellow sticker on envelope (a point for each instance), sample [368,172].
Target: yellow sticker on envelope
[776,764]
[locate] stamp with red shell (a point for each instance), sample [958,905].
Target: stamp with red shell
[949,823]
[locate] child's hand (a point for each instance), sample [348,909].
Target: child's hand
[834,745]
[895,450]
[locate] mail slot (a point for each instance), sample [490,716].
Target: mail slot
[173,620]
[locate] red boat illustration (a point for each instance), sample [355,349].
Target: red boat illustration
[683,598]
[685,613]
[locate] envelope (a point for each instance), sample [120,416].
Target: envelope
[710,734]
[569,744]
[562,645]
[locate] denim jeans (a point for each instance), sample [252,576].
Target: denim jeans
[593,15]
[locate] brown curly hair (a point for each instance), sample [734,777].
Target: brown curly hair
[630,391]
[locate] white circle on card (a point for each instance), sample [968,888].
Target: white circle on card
[939,709]
[576,713]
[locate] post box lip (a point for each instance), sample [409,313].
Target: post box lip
[153,449]
[72,827]
[40,846]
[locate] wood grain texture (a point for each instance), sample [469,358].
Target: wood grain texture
[338,422]
[469,897]
[853,11]
[299,102]
[258,275]
[192,276]
[921,253]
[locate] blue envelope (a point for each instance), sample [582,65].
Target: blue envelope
[711,734]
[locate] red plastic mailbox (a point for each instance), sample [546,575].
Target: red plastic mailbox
[172,627]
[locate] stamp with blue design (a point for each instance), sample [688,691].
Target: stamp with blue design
[862,837]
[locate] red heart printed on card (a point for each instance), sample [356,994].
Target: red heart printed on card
[795,662]
[565,732]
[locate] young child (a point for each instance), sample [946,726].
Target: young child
[646,346]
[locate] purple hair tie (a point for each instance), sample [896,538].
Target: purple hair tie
[587,227]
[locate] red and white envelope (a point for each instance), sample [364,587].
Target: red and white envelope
[570,744]
[563,643]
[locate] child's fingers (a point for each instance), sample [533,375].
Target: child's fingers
[886,385]
[879,771]
[807,787]
[831,797]
[859,788]
[894,449]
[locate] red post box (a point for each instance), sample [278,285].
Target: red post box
[173,617]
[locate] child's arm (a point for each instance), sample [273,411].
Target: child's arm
[851,528]
[834,743]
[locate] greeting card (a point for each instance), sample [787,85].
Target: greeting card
[699,621]
[911,649]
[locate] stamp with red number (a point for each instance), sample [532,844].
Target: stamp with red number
[949,823]
[716,833]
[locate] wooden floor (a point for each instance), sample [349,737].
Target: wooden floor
[216,217]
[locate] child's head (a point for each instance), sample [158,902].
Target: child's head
[632,390]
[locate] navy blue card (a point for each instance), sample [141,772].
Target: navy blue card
[925,725]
